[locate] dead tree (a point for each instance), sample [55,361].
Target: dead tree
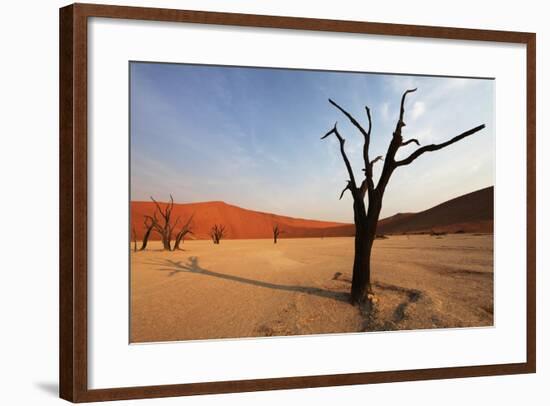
[366,219]
[217,232]
[276,232]
[164,226]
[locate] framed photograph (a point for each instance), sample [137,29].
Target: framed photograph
[255,202]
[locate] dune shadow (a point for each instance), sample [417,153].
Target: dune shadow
[192,266]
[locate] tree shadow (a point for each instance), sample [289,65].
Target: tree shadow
[192,266]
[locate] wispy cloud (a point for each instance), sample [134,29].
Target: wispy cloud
[417,110]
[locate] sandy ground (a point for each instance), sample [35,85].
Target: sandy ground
[250,288]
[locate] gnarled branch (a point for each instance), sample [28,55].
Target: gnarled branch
[400,123]
[343,191]
[435,147]
[344,156]
[366,135]
[185,229]
[378,158]
[410,141]
[395,143]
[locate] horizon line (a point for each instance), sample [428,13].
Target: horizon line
[308,219]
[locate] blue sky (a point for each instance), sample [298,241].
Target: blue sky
[251,137]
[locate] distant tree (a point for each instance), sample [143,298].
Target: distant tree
[276,232]
[217,232]
[366,220]
[161,222]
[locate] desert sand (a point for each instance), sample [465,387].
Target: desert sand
[252,288]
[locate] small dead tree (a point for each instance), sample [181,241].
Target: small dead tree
[366,219]
[217,232]
[276,232]
[164,226]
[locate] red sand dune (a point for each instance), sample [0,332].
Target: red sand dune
[469,213]
[472,212]
[239,222]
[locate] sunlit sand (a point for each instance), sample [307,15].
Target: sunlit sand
[254,288]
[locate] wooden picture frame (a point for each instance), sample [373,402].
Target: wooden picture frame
[73,280]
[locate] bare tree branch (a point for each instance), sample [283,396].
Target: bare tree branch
[435,147]
[154,223]
[378,158]
[366,135]
[368,172]
[400,123]
[395,143]
[410,141]
[344,156]
[346,188]
[352,119]
[185,229]
[370,122]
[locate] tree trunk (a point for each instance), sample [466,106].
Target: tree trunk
[146,238]
[179,240]
[365,232]
[166,243]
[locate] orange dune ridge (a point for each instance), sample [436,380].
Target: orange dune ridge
[470,213]
[239,223]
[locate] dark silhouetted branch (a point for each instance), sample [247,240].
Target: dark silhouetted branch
[378,158]
[366,135]
[400,122]
[395,143]
[185,229]
[410,141]
[343,191]
[435,147]
[344,156]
